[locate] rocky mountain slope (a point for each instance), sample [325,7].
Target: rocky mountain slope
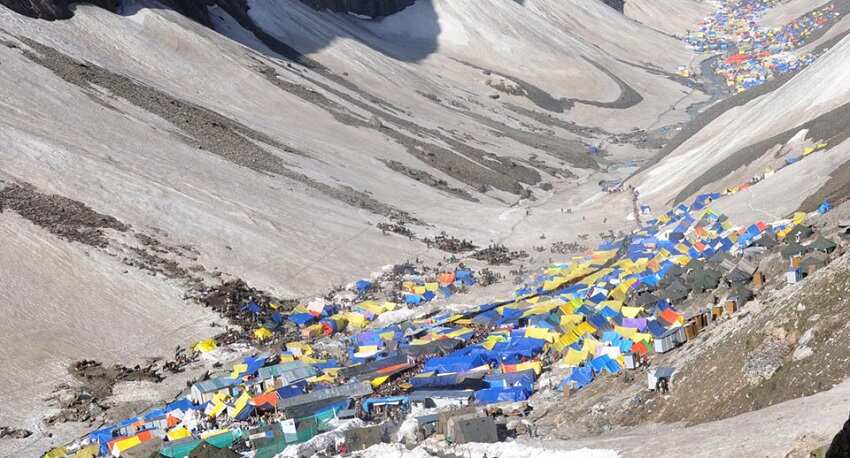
[168,147]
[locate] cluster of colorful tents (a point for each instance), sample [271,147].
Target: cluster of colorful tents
[588,314]
[758,53]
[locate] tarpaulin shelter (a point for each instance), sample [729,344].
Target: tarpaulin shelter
[578,378]
[823,245]
[494,395]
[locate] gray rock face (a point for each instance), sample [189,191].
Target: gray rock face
[618,5]
[372,8]
[51,9]
[197,9]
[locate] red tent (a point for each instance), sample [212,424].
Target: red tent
[640,349]
[737,59]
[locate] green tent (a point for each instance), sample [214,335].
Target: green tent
[822,244]
[799,232]
[793,249]
[179,449]
[206,450]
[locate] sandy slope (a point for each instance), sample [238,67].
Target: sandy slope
[63,302]
[674,17]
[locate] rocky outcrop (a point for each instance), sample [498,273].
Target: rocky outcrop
[371,8]
[618,5]
[197,9]
[52,10]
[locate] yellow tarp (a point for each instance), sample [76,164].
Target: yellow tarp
[631,312]
[459,332]
[262,333]
[584,328]
[126,444]
[613,305]
[86,452]
[566,339]
[625,332]
[540,333]
[240,403]
[205,346]
[60,452]
[178,433]
[365,351]
[590,344]
[299,348]
[642,337]
[376,382]
[533,365]
[356,320]
[238,369]
[214,432]
[420,290]
[575,358]
[433,287]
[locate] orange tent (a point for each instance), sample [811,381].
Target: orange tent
[670,316]
[269,398]
[640,349]
[446,278]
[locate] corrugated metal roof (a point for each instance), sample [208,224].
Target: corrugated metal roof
[350,390]
[215,384]
[290,372]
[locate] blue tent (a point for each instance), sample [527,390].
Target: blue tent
[493,395]
[454,363]
[465,276]
[302,319]
[362,286]
[412,299]
[604,362]
[824,207]
[580,377]
[251,307]
[655,328]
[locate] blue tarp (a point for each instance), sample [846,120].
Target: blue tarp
[604,362]
[454,363]
[655,328]
[493,395]
[251,307]
[580,377]
[362,286]
[412,299]
[465,276]
[302,319]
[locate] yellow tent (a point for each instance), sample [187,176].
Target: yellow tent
[238,369]
[60,452]
[125,444]
[575,357]
[625,332]
[88,451]
[205,346]
[376,382]
[534,365]
[631,312]
[180,432]
[540,333]
[262,333]
[240,403]
[584,328]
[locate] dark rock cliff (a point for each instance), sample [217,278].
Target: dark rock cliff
[618,5]
[52,9]
[197,9]
[373,8]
